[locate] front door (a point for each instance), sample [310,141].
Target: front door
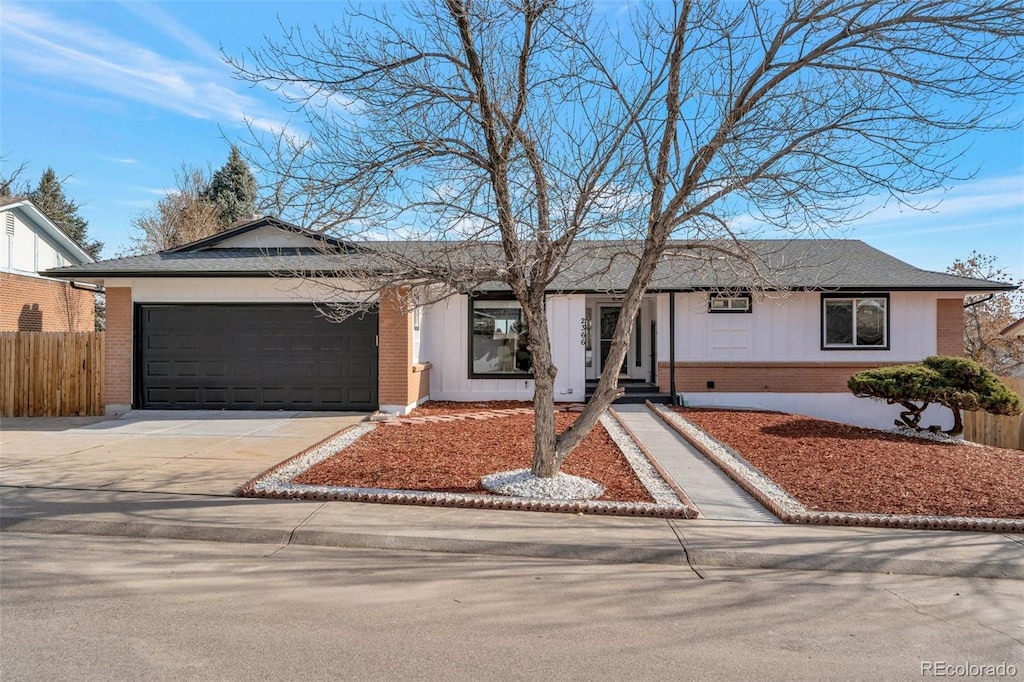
[607,319]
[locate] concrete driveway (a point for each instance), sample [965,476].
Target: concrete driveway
[197,452]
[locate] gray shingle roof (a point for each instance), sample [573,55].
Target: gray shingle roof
[590,266]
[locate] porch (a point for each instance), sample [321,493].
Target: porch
[638,374]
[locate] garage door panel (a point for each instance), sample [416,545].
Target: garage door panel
[210,369]
[244,397]
[185,368]
[356,395]
[255,357]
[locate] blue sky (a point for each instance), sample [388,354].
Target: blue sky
[117,95]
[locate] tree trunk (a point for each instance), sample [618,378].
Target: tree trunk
[545,460]
[912,416]
[958,423]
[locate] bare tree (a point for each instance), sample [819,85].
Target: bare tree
[71,305]
[10,183]
[986,316]
[516,138]
[183,215]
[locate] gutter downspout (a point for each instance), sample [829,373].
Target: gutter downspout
[83,286]
[978,302]
[672,346]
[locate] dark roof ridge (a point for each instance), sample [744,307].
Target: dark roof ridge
[254,224]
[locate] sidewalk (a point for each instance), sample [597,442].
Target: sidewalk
[700,544]
[716,495]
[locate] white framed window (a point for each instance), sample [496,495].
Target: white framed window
[498,339]
[729,303]
[855,322]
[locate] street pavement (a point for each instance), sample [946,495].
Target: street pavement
[174,475]
[100,608]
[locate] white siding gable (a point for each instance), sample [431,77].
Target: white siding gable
[267,237]
[25,248]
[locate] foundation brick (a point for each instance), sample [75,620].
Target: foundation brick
[763,377]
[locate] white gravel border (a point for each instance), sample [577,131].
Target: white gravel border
[561,486]
[660,490]
[279,478]
[938,437]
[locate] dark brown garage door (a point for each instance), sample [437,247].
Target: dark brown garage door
[254,357]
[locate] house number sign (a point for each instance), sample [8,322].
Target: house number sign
[584,331]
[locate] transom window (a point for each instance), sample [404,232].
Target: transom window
[729,303]
[498,339]
[855,322]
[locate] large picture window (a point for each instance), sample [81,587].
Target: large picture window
[855,322]
[498,339]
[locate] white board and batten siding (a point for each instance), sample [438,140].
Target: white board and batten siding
[787,328]
[445,343]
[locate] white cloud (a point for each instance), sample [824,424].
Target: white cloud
[89,56]
[168,25]
[968,205]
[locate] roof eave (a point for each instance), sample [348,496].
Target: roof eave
[52,229]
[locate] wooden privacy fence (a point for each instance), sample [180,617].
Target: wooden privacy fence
[991,429]
[51,374]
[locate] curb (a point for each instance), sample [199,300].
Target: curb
[674,556]
[681,555]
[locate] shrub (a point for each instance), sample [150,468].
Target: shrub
[956,383]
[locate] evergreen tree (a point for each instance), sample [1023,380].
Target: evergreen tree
[233,189]
[49,197]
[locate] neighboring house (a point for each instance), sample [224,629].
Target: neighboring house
[215,325]
[31,242]
[1014,330]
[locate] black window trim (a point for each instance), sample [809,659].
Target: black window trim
[854,296]
[495,296]
[712,295]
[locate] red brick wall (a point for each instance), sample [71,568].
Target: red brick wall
[33,304]
[118,344]
[421,376]
[399,382]
[949,326]
[763,377]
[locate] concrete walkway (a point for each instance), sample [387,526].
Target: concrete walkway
[716,495]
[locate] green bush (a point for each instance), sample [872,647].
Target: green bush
[956,383]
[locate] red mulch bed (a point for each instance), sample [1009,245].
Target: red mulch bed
[453,456]
[830,466]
